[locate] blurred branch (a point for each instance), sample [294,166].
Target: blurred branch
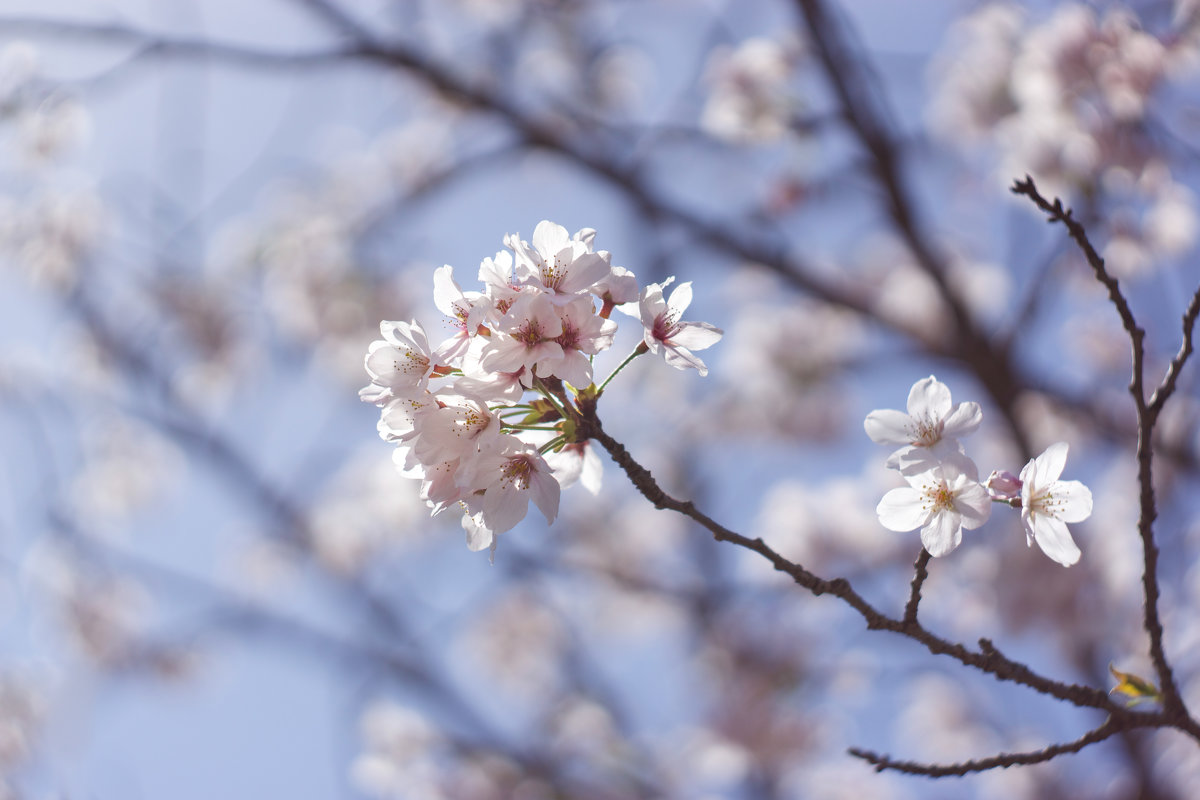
[857,92]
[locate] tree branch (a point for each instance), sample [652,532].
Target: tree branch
[1003,760]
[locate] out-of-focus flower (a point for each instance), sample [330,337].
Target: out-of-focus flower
[750,99]
[1048,504]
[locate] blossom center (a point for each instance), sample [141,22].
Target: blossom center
[409,362]
[926,431]
[937,497]
[664,326]
[530,334]
[516,473]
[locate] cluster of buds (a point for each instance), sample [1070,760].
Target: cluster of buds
[460,414]
[944,494]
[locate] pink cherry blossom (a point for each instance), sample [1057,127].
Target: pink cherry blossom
[664,331]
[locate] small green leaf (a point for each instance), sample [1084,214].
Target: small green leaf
[1136,688]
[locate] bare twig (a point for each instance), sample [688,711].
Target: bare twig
[1147,417]
[1002,760]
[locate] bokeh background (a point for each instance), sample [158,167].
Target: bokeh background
[215,583]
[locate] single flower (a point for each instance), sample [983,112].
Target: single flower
[666,333]
[940,501]
[928,431]
[1048,504]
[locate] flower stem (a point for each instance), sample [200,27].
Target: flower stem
[637,351]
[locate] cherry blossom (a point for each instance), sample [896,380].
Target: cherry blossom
[400,361]
[941,501]
[666,334]
[1048,504]
[456,413]
[928,431]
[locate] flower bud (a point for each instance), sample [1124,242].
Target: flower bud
[1004,486]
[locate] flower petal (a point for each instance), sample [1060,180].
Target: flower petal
[943,533]
[1050,463]
[974,503]
[901,509]
[1075,501]
[1055,540]
[929,397]
[680,299]
[697,335]
[888,426]
[964,418]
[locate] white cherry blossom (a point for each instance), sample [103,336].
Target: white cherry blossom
[940,501]
[1048,504]
[928,431]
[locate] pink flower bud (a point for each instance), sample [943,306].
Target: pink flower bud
[1004,486]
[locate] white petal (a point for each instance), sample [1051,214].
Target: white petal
[1075,500]
[962,419]
[697,335]
[901,509]
[973,502]
[681,358]
[585,271]
[942,534]
[478,536]
[888,426]
[929,397]
[1050,463]
[549,238]
[546,492]
[504,508]
[680,299]
[1054,539]
[910,461]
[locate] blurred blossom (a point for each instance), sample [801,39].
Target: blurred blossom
[19,66]
[22,716]
[400,756]
[521,640]
[751,90]
[825,525]
[1067,99]
[55,126]
[364,513]
[51,234]
[901,290]
[101,615]
[127,467]
[781,365]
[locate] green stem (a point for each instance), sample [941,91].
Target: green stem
[550,445]
[637,351]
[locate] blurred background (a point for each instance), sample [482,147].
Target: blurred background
[216,584]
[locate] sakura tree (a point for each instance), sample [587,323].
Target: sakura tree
[911,513]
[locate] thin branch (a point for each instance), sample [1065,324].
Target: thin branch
[921,572]
[1167,387]
[1147,415]
[1003,760]
[990,661]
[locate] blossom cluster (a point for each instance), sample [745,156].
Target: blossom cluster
[945,495]
[457,412]
[1074,100]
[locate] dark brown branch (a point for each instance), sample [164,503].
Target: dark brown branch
[1003,760]
[989,661]
[921,572]
[1147,416]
